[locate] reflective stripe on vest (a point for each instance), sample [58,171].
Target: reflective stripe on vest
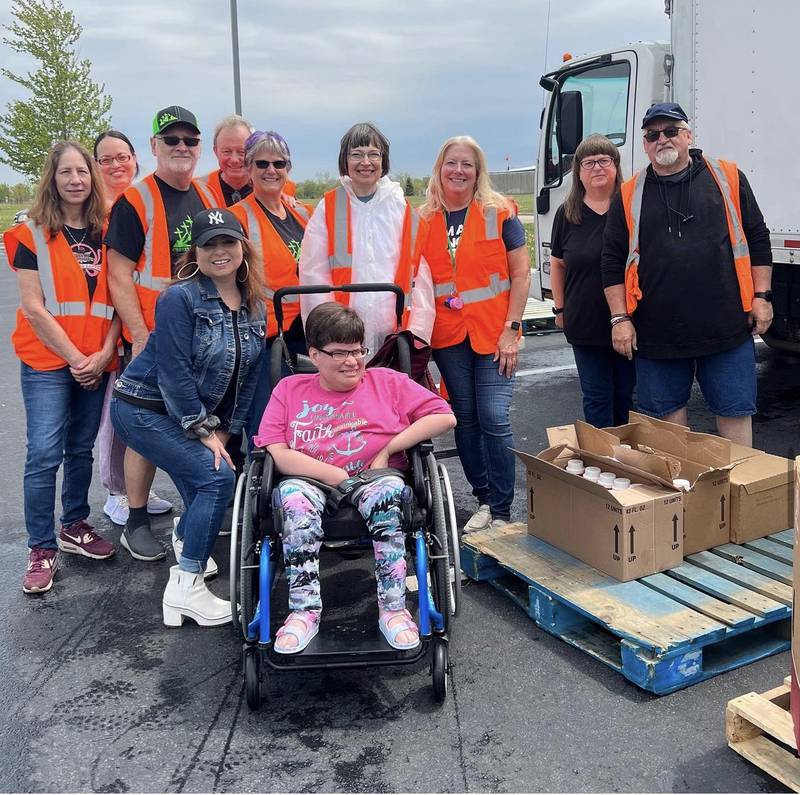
[204,189]
[497,286]
[144,277]
[341,257]
[636,214]
[490,222]
[52,304]
[298,209]
[739,245]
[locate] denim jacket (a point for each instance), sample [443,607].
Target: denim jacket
[190,356]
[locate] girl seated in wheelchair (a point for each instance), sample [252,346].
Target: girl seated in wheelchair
[329,426]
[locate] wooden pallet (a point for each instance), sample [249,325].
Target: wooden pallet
[759,727]
[717,611]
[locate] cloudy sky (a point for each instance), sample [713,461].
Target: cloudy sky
[422,71]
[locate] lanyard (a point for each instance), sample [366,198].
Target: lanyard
[454,301]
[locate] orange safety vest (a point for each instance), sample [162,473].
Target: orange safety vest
[154,268]
[280,266]
[340,247]
[726,175]
[480,279]
[66,296]
[212,182]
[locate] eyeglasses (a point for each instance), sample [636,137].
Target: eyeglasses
[265,164]
[373,156]
[651,136]
[107,160]
[342,356]
[602,162]
[173,140]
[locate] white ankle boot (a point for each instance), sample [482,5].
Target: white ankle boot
[186,596]
[212,570]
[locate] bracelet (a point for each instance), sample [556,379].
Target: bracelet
[617,319]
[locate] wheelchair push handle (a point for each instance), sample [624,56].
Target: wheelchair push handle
[313,289]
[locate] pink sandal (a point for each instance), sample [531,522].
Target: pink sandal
[310,621]
[406,625]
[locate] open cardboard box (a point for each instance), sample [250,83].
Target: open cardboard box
[740,495]
[705,461]
[627,534]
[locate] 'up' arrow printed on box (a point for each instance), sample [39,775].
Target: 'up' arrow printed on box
[722,508]
[675,528]
[616,540]
[632,532]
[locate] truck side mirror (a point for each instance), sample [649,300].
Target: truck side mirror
[570,117]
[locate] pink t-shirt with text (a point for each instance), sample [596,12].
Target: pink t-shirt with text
[346,429]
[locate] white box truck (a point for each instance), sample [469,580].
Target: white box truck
[729,63]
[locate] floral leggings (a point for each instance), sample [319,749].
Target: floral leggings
[379,504]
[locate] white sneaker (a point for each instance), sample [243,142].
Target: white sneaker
[212,570]
[479,520]
[156,504]
[498,524]
[186,596]
[116,508]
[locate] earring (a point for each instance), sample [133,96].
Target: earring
[246,272]
[189,276]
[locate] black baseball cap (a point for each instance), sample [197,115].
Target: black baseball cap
[213,222]
[174,114]
[664,110]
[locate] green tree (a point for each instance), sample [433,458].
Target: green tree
[64,102]
[408,189]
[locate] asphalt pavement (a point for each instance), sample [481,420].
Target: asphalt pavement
[97,695]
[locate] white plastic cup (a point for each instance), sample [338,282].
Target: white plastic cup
[626,447]
[575,466]
[593,471]
[681,484]
[606,479]
[620,484]
[592,476]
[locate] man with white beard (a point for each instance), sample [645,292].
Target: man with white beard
[687,267]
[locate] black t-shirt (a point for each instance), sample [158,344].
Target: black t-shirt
[125,233]
[586,313]
[224,409]
[289,228]
[691,304]
[233,195]
[513,231]
[86,248]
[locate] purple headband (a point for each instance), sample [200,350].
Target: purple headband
[259,135]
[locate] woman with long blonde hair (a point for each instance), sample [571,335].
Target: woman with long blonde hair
[65,338]
[476,249]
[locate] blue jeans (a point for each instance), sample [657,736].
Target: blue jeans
[62,423]
[607,382]
[205,491]
[481,401]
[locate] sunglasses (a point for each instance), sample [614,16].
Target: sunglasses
[651,136]
[265,164]
[173,140]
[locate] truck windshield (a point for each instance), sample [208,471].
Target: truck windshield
[604,100]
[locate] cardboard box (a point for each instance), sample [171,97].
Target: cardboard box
[762,496]
[627,534]
[705,461]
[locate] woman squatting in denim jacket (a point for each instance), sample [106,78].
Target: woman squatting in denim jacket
[190,389]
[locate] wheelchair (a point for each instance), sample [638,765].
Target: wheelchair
[256,552]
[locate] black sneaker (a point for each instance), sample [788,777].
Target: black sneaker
[141,543]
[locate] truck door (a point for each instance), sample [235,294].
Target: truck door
[591,96]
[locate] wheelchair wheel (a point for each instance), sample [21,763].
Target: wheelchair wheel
[248,555]
[252,678]
[440,664]
[236,523]
[438,552]
[454,539]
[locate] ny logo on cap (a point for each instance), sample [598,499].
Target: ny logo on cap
[216,218]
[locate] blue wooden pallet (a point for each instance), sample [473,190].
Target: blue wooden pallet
[717,611]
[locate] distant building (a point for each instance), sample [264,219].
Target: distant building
[514,182]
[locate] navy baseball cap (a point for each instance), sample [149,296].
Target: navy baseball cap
[213,222]
[664,110]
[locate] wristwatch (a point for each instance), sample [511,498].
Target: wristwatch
[557,311]
[514,325]
[766,295]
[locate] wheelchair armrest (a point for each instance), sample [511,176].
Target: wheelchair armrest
[258,453]
[415,456]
